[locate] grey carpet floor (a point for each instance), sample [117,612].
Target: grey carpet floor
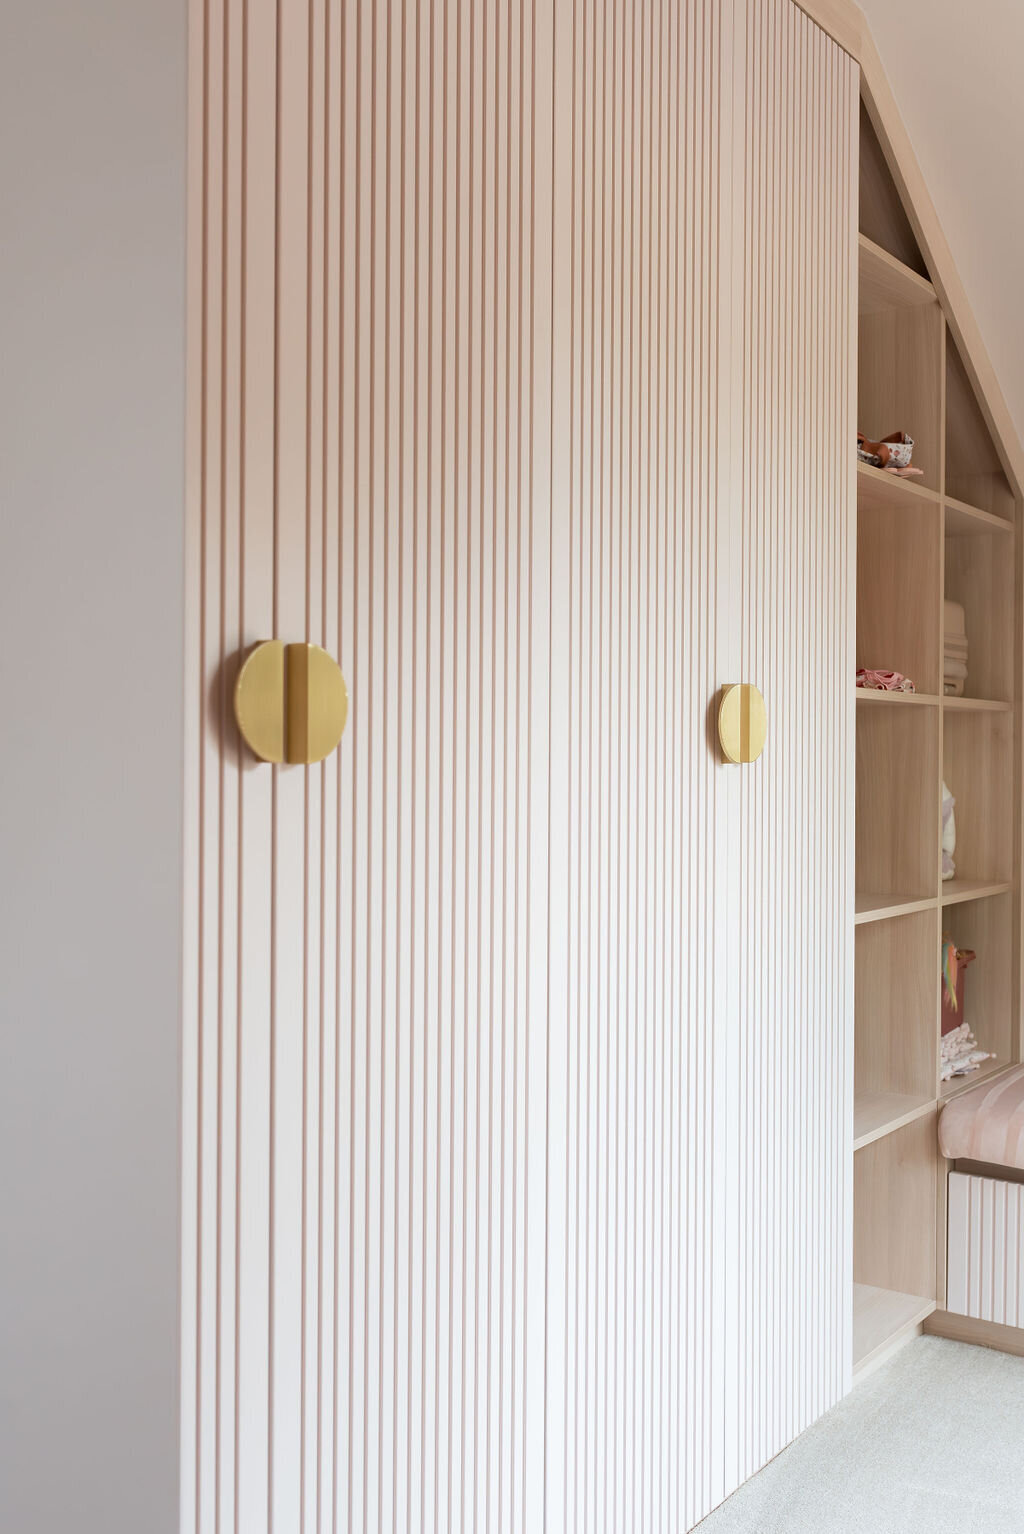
[931,1443]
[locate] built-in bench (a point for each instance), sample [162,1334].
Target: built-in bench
[982,1131]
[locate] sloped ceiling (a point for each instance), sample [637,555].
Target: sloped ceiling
[957,72]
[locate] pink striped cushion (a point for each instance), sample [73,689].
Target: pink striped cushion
[987,1124]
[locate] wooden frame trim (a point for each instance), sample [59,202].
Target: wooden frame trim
[984,1334]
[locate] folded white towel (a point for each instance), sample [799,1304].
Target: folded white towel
[954,622]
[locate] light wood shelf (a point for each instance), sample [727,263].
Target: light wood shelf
[887,492]
[871,907]
[886,283]
[881,1317]
[963,521]
[956,890]
[876,1114]
[901,699]
[932,700]
[976,705]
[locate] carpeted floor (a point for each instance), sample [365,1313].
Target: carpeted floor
[931,1443]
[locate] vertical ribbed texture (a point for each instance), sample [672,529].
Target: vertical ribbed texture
[789,1090]
[986,1232]
[517,1035]
[713,233]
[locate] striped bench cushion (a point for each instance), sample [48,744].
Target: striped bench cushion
[986,1124]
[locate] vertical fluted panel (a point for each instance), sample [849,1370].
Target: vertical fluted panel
[708,1089]
[642,1407]
[366,1051]
[515,1054]
[986,1224]
[789,1084]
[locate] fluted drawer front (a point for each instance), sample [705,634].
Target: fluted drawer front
[986,1249]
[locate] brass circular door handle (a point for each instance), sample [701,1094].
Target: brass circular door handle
[742,722]
[291,702]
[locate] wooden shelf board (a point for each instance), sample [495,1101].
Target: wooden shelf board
[876,1114]
[886,283]
[888,492]
[957,890]
[869,907]
[966,521]
[881,1316]
[976,705]
[958,1084]
[874,695]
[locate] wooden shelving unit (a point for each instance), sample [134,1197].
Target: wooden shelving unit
[952,533]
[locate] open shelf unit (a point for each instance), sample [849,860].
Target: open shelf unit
[952,534]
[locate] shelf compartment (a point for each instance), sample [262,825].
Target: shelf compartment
[986,925]
[974,472]
[977,752]
[894,1202]
[883,217]
[963,521]
[876,1114]
[896,1008]
[979,574]
[886,283]
[899,382]
[881,1317]
[899,575]
[897,812]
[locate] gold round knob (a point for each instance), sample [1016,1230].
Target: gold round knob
[291,702]
[742,722]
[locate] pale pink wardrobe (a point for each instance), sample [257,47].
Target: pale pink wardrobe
[518,1066]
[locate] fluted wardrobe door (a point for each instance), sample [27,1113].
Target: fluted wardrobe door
[786,1019]
[710,490]
[516,1034]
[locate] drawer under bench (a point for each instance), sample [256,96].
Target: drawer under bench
[985,1251]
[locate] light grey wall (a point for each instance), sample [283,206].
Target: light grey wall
[92,330]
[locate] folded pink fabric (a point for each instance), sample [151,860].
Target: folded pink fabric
[986,1124]
[885,681]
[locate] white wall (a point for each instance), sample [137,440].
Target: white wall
[92,155]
